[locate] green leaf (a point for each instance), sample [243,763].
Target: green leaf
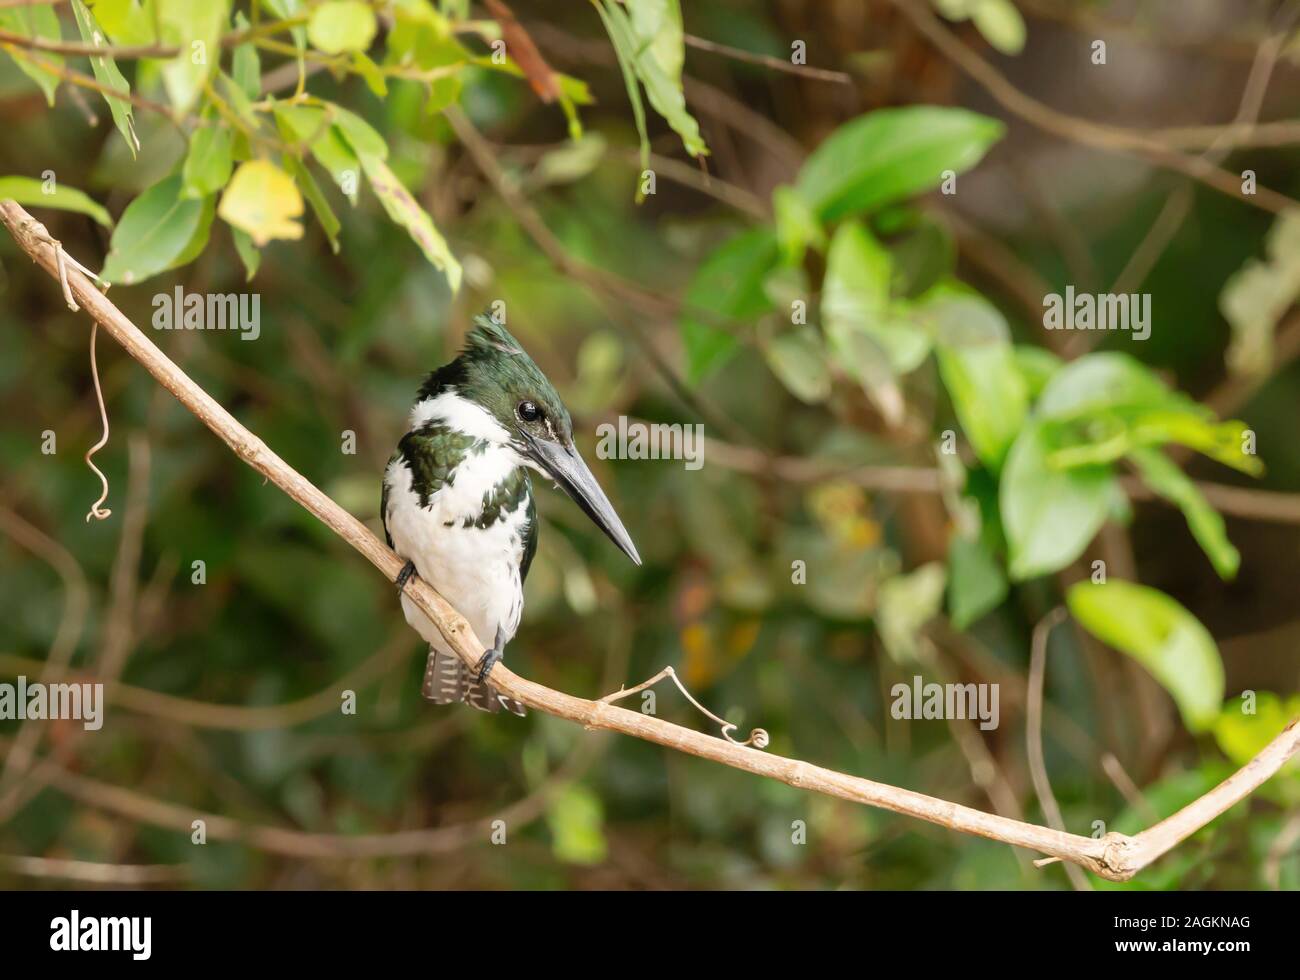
[374,78]
[976,584]
[263,201]
[855,298]
[956,317]
[727,287]
[1163,476]
[364,139]
[1001,24]
[1162,636]
[443,92]
[247,251]
[620,36]
[1104,381]
[209,161]
[311,190]
[1124,405]
[406,211]
[1049,515]
[29,191]
[199,240]
[246,67]
[655,59]
[1242,736]
[40,22]
[796,225]
[575,817]
[107,74]
[156,232]
[658,24]
[196,29]
[1221,441]
[989,396]
[892,154]
[905,604]
[569,163]
[310,126]
[799,360]
[1037,366]
[285,9]
[1254,299]
[342,25]
[863,359]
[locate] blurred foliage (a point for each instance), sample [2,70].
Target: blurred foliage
[835,280]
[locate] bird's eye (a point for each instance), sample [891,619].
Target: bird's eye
[528,411]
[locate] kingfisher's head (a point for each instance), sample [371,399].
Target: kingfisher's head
[495,391]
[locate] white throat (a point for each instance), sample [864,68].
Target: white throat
[460,414]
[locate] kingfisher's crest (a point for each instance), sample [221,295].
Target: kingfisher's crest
[495,373]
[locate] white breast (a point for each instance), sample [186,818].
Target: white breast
[475,569]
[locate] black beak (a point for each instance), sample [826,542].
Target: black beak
[569,470]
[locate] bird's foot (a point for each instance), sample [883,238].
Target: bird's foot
[486,663]
[404,576]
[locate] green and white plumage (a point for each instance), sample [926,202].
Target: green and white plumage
[458,502]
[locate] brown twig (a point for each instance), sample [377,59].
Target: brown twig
[1179,204]
[234,717]
[1084,131]
[767,61]
[134,51]
[1245,502]
[1034,735]
[131,875]
[76,604]
[1115,856]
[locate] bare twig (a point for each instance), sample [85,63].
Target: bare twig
[1177,206]
[767,61]
[233,717]
[94,873]
[1118,775]
[76,604]
[1115,856]
[1285,841]
[1245,502]
[1083,131]
[1034,735]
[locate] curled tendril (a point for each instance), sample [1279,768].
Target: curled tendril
[96,511]
[758,737]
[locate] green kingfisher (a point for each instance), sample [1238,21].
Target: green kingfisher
[457,501]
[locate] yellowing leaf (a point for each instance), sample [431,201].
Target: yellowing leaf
[263,201]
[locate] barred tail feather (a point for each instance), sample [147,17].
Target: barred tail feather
[447,680]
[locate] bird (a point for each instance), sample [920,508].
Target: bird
[457,501]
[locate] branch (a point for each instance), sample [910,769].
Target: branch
[1108,138]
[137,51]
[1115,856]
[1245,502]
[768,61]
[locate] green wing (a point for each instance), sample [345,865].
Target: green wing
[383,501]
[530,534]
